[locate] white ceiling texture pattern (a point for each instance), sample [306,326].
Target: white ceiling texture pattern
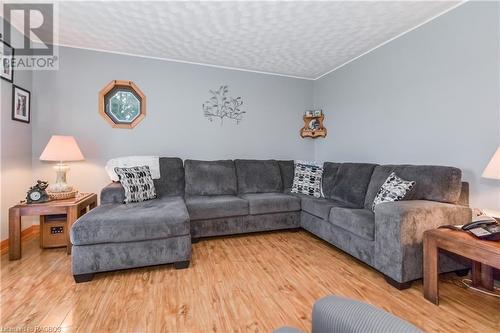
[302,39]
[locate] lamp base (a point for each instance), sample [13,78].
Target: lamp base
[60,186]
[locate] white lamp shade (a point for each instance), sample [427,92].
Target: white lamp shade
[62,148]
[493,168]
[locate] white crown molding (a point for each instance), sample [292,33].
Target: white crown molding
[392,39]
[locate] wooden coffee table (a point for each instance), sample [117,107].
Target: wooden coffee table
[484,256]
[73,208]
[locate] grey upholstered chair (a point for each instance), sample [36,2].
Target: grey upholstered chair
[332,314]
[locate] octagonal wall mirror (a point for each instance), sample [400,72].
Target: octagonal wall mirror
[122,104]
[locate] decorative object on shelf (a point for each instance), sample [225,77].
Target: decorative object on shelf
[61,149]
[122,104]
[221,106]
[313,124]
[6,60]
[38,193]
[21,104]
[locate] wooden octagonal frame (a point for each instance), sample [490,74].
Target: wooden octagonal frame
[121,84]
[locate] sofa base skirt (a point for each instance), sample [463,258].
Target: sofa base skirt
[87,259]
[244,224]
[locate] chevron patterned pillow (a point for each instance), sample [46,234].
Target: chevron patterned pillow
[393,189]
[307,178]
[137,182]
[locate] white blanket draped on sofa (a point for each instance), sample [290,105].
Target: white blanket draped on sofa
[153,162]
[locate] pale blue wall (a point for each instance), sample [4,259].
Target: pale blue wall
[66,103]
[15,149]
[428,97]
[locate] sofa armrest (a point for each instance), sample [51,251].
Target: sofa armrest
[399,228]
[114,193]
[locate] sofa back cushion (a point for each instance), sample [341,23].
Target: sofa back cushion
[258,176]
[287,169]
[210,177]
[351,183]
[435,183]
[171,182]
[330,170]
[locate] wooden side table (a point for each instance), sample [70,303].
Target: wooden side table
[73,208]
[484,256]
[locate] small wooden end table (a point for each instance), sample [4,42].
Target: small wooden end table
[485,255]
[73,208]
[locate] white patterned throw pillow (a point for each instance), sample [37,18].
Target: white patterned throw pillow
[137,182]
[393,189]
[307,178]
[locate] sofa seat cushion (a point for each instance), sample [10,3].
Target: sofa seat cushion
[210,207]
[262,203]
[321,207]
[360,222]
[147,220]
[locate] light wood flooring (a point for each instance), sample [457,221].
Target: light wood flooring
[250,283]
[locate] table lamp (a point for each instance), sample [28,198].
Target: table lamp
[492,170]
[61,149]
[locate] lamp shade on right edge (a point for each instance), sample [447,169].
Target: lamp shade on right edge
[492,170]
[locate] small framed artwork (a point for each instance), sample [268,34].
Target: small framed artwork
[21,104]
[6,58]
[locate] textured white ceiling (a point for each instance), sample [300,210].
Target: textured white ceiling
[303,39]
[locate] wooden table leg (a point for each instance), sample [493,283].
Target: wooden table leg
[14,234]
[72,216]
[42,220]
[476,274]
[487,281]
[431,270]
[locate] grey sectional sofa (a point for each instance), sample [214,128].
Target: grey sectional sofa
[199,199]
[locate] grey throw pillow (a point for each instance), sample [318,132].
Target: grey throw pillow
[393,189]
[137,182]
[307,179]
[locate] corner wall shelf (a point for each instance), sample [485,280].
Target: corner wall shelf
[313,127]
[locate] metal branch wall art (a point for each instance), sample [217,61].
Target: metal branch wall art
[221,106]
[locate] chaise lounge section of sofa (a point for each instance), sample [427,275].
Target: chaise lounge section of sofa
[214,198]
[117,236]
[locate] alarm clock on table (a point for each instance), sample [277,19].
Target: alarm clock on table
[37,193]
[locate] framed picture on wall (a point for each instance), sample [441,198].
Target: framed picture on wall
[6,58]
[21,104]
